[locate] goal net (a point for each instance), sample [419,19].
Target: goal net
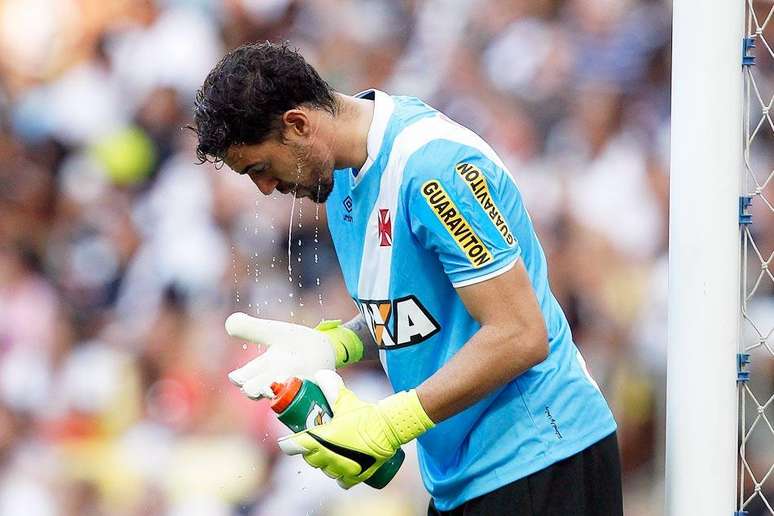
[755,359]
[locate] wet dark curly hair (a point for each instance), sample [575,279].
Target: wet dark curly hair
[246,93]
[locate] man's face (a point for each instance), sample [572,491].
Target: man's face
[303,167]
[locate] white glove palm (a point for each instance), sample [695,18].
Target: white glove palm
[292,350]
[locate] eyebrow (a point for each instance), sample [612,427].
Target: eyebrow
[247,168]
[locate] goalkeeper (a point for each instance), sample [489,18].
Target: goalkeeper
[440,256]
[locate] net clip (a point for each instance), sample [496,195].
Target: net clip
[742,361]
[745,201]
[748,44]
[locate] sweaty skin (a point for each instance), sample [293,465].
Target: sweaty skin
[300,158]
[311,143]
[512,339]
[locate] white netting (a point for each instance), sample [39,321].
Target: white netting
[756,348]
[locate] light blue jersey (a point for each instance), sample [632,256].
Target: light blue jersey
[434,209]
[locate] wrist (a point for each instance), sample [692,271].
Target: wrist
[347,346]
[405,416]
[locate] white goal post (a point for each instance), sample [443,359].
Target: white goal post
[704,257]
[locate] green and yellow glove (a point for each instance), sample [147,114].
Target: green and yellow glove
[345,342]
[361,436]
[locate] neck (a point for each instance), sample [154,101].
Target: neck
[350,127]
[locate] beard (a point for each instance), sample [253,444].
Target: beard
[317,190]
[320,184]
[318,193]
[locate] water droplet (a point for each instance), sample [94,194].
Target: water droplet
[290,234]
[244,346]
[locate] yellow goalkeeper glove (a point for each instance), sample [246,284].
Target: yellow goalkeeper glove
[361,436]
[346,344]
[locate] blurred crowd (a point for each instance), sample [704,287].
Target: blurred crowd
[120,256]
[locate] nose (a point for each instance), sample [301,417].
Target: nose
[265,184]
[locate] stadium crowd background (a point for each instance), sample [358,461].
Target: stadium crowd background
[120,257]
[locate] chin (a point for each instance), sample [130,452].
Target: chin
[321,193]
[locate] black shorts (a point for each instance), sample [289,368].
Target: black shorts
[585,484]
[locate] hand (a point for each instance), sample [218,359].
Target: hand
[293,350]
[361,436]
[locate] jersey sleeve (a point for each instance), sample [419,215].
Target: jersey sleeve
[461,207]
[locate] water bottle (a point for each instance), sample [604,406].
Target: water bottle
[300,405]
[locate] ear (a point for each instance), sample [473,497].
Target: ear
[295,124]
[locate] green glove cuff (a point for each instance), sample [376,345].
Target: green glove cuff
[346,344]
[405,415]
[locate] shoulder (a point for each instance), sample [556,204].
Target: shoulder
[438,148]
[425,144]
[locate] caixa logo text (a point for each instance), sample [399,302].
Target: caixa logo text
[398,322]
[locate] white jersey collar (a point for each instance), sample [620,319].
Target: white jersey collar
[383,108]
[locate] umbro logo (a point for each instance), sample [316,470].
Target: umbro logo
[347,203]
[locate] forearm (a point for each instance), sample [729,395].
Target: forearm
[360,327]
[491,358]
